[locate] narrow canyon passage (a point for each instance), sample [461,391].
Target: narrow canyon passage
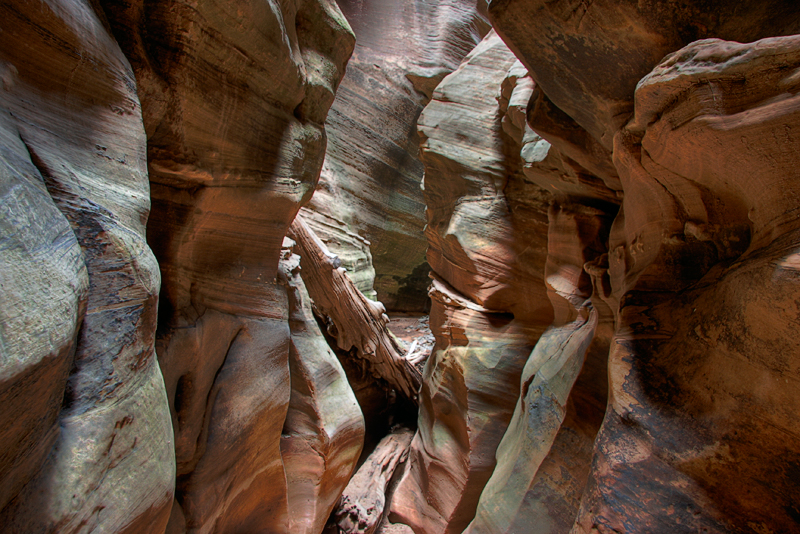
[399,266]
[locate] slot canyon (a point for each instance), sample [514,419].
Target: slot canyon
[399,266]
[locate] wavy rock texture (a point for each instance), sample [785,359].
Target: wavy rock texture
[324,428]
[234,96]
[370,182]
[508,258]
[687,263]
[544,458]
[704,370]
[90,447]
[572,46]
[487,251]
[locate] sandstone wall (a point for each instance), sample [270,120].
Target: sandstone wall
[488,295]
[215,110]
[84,405]
[235,98]
[692,158]
[368,207]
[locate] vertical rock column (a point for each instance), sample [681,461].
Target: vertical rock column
[489,299]
[544,458]
[235,95]
[324,429]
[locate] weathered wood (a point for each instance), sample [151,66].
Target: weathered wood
[359,322]
[362,504]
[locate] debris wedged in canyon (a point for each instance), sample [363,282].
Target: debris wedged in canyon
[612,238]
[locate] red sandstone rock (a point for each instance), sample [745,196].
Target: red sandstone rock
[91,451]
[324,428]
[234,99]
[587,57]
[489,300]
[370,181]
[699,429]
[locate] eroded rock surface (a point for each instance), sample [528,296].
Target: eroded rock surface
[90,447]
[703,372]
[572,47]
[324,429]
[370,182]
[234,98]
[489,299]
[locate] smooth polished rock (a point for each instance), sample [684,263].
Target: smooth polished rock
[70,106]
[323,433]
[370,183]
[234,98]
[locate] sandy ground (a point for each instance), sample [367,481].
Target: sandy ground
[415,335]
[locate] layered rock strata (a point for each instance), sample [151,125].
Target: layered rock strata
[84,406]
[222,140]
[369,197]
[489,299]
[699,242]
[324,428]
[703,372]
[234,98]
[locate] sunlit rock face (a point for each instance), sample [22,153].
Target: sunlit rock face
[507,256]
[86,439]
[489,302]
[660,303]
[369,197]
[235,96]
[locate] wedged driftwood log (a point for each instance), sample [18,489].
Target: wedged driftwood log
[360,323]
[361,506]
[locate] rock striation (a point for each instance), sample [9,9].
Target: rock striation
[235,97]
[611,196]
[489,301]
[105,106]
[84,405]
[669,289]
[508,239]
[703,375]
[368,208]
[324,429]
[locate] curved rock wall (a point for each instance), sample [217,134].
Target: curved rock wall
[704,375]
[612,236]
[235,97]
[80,377]
[488,296]
[368,208]
[88,443]
[508,240]
[696,435]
